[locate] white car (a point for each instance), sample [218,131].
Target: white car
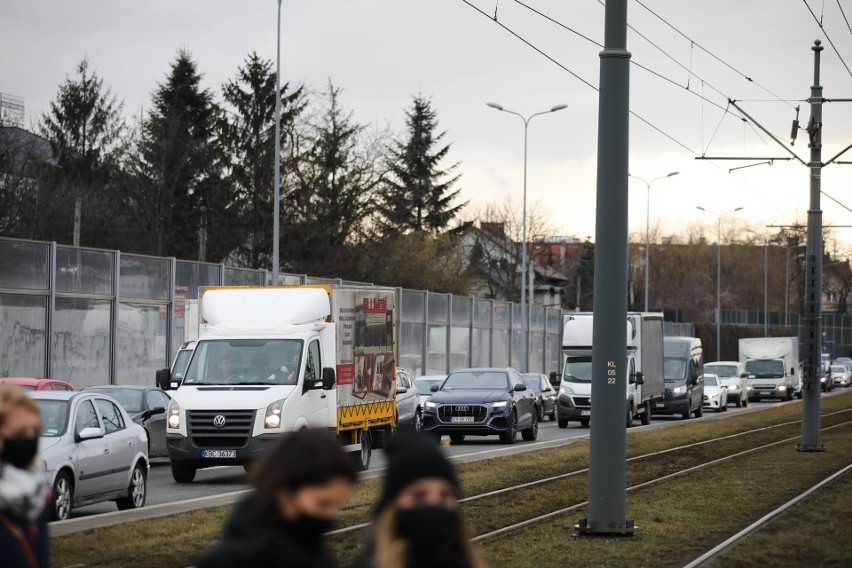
[732,375]
[92,451]
[424,385]
[715,393]
[841,374]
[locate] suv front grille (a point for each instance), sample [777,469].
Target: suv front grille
[235,432]
[447,411]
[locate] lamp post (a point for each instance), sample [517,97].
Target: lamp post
[276,196]
[648,225]
[719,274]
[524,317]
[766,244]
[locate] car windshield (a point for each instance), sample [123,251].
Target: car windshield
[54,416]
[578,370]
[130,399]
[838,369]
[765,367]
[710,381]
[425,385]
[245,362]
[181,361]
[675,369]
[472,380]
[726,371]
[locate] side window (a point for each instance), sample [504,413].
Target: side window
[85,417]
[156,398]
[111,416]
[313,365]
[59,387]
[515,379]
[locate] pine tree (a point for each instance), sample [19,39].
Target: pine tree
[248,140]
[418,195]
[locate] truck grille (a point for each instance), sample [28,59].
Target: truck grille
[447,411]
[582,401]
[667,394]
[205,432]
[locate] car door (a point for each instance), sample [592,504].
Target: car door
[87,455]
[119,447]
[547,395]
[405,402]
[314,401]
[524,400]
[156,424]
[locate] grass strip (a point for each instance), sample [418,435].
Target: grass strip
[177,540]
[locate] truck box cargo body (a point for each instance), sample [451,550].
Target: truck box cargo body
[772,366]
[644,335]
[279,359]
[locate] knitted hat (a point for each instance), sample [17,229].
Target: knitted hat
[412,457]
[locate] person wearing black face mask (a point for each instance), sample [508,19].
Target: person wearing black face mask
[418,523]
[300,484]
[24,493]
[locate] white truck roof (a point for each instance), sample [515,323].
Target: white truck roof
[263,310]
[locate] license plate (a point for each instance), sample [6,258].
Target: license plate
[765,393]
[218,453]
[585,413]
[461,419]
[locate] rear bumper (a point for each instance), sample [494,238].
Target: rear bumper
[182,451]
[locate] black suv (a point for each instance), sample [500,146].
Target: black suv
[482,402]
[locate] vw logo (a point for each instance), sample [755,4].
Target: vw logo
[219,421]
[462,408]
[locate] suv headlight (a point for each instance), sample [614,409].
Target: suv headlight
[429,405]
[174,415]
[782,388]
[679,390]
[273,415]
[499,404]
[565,390]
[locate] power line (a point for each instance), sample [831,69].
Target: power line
[825,33]
[711,54]
[845,19]
[560,24]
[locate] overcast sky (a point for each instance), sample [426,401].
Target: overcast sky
[381,52]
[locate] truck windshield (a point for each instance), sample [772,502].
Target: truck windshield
[766,368]
[726,371]
[245,362]
[675,369]
[578,370]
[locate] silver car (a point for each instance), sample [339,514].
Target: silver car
[92,451]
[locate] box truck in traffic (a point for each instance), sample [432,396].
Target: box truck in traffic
[280,359]
[772,366]
[644,344]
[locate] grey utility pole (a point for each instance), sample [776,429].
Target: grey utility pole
[608,442]
[276,195]
[812,329]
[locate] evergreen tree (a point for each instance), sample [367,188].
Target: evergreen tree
[248,141]
[84,127]
[418,195]
[179,190]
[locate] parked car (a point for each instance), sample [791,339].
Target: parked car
[544,393]
[731,374]
[408,410]
[33,384]
[841,375]
[715,393]
[147,407]
[92,451]
[425,383]
[482,402]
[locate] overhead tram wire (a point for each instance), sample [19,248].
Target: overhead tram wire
[713,55]
[825,33]
[845,19]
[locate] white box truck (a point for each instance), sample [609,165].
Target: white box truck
[772,366]
[644,334]
[280,359]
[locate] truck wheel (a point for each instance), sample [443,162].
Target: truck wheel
[183,473]
[362,458]
[508,437]
[744,400]
[562,422]
[699,412]
[531,433]
[740,401]
[686,415]
[629,416]
[789,395]
[552,415]
[584,422]
[646,415]
[539,412]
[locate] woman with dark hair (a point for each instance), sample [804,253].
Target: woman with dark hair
[300,484]
[418,522]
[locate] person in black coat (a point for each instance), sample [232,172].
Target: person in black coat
[300,484]
[24,492]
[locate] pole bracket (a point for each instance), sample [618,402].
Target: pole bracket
[590,529]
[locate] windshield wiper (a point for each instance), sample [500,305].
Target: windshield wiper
[253,383]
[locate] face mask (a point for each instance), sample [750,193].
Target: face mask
[426,527]
[19,452]
[309,529]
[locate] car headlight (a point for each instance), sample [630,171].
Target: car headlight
[679,390]
[272,419]
[429,405]
[499,404]
[174,415]
[565,390]
[822,380]
[782,388]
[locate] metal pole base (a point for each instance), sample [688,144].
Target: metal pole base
[585,529]
[803,448]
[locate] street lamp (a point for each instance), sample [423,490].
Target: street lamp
[719,274]
[766,244]
[276,196]
[524,317]
[647,226]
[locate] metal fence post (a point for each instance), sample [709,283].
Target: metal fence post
[470,332]
[221,274]
[424,359]
[170,336]
[51,313]
[450,331]
[511,331]
[113,369]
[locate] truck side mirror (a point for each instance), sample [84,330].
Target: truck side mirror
[554,379]
[639,380]
[164,379]
[329,378]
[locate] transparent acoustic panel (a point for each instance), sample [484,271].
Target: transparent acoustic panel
[413,306]
[82,341]
[82,271]
[24,265]
[500,348]
[439,308]
[436,352]
[190,276]
[144,278]
[536,352]
[23,321]
[461,310]
[481,347]
[243,277]
[459,347]
[410,347]
[141,343]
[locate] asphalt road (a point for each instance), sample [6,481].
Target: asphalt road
[219,480]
